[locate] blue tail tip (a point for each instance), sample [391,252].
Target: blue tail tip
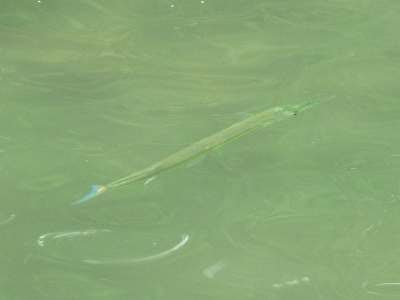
[95,190]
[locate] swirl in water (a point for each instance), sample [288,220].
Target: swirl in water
[63,245]
[184,240]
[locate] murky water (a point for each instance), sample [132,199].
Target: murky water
[94,90]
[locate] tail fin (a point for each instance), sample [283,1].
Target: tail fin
[94,191]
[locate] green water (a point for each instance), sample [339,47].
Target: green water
[92,90]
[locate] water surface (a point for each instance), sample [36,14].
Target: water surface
[93,90]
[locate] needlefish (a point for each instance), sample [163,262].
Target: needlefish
[259,120]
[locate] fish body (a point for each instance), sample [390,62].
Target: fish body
[259,120]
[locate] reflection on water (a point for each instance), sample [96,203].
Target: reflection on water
[4,219]
[383,288]
[67,235]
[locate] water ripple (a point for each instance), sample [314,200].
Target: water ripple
[108,247]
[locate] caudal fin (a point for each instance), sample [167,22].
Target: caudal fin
[94,191]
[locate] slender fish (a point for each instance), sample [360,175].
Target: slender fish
[262,119]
